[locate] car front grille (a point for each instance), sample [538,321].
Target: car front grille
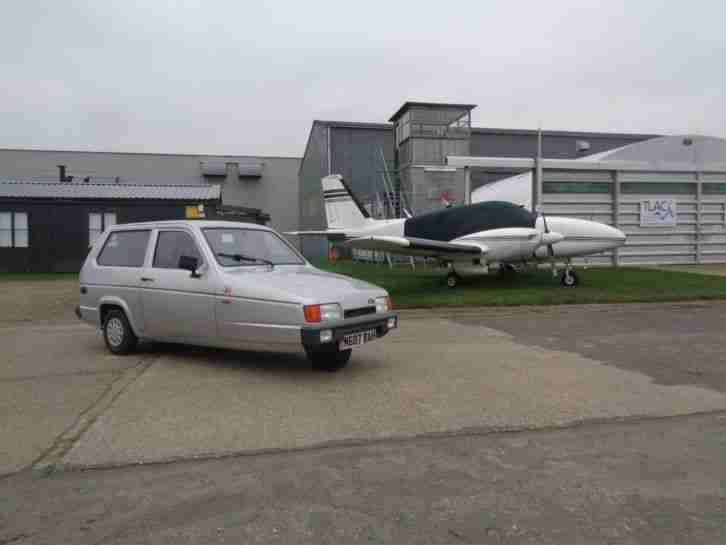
[362,311]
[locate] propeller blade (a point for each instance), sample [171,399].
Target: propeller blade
[550,250]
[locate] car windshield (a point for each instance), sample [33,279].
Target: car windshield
[235,247]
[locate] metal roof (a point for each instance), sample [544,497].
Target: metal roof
[432,105]
[497,131]
[354,124]
[58,190]
[546,132]
[200,156]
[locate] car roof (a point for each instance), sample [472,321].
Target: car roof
[189,223]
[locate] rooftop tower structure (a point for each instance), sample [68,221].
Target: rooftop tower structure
[424,134]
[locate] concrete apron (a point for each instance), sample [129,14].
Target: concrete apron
[432,376]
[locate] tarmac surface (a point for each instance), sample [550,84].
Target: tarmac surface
[659,482]
[573,424]
[70,404]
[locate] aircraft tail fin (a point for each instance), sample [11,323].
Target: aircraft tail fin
[342,209]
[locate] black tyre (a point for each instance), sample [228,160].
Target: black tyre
[119,337]
[328,357]
[452,280]
[569,279]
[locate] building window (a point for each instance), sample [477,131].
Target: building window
[14,230]
[659,188]
[97,223]
[576,187]
[714,188]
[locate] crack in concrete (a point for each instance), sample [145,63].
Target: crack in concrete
[57,375]
[396,439]
[47,462]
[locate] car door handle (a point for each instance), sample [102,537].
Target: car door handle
[146,279]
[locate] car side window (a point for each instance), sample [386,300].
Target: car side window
[124,249]
[170,246]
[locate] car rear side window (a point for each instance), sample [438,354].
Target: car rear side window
[124,249]
[170,246]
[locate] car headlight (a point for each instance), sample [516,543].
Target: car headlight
[323,313]
[332,311]
[383,304]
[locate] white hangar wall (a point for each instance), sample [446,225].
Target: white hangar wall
[685,175]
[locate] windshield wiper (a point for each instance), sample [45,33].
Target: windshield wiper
[243,257]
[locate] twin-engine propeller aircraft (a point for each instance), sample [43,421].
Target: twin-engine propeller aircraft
[470,238]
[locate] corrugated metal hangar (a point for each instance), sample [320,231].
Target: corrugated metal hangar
[667,193]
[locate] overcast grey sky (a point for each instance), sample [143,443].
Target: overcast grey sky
[249,77]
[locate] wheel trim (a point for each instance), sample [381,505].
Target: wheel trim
[115,331]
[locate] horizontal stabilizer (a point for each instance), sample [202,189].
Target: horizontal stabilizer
[418,247]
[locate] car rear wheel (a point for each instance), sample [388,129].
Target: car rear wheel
[328,357]
[119,337]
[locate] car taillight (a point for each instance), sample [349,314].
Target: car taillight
[312,313]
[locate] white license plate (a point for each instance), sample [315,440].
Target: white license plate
[360,337]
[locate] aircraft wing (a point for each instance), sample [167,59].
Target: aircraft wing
[332,234]
[419,247]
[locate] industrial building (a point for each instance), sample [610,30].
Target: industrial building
[53,202]
[268,184]
[49,227]
[410,153]
[667,193]
[426,156]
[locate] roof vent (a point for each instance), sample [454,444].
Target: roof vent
[233,168]
[582,146]
[250,170]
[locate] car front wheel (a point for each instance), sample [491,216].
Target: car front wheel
[328,357]
[119,337]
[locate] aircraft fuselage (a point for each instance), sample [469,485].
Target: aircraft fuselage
[511,235]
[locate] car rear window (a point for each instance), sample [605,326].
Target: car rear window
[124,249]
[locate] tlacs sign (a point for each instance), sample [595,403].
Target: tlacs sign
[658,213]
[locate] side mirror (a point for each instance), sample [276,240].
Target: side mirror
[189,263]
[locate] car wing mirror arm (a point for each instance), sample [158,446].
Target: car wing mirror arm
[191,264]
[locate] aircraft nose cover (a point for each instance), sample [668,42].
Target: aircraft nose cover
[611,234]
[619,236]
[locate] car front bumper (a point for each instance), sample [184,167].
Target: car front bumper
[310,333]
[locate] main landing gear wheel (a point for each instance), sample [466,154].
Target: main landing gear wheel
[569,279]
[452,279]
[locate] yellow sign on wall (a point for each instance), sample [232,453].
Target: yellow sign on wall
[194,212]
